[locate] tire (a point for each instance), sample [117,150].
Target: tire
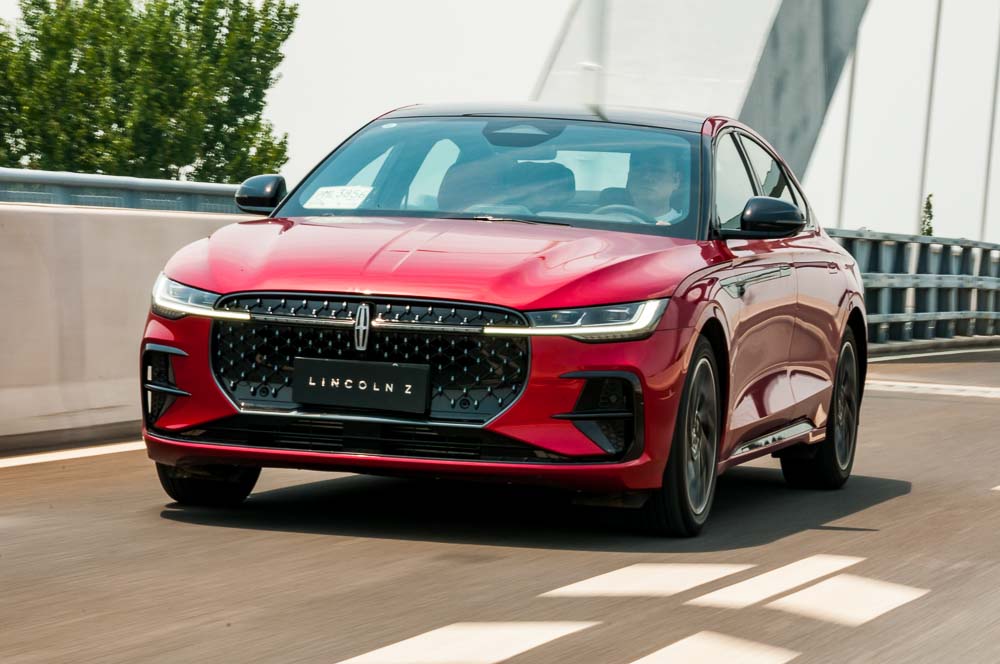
[827,465]
[680,507]
[208,486]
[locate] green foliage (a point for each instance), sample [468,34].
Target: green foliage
[143,88]
[927,216]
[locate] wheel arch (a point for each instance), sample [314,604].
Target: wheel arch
[856,323]
[714,331]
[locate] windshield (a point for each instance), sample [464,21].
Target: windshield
[588,174]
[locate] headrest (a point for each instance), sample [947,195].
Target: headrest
[469,183]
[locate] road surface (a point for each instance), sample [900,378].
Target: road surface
[902,565]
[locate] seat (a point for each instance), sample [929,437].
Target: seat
[539,186]
[614,196]
[477,182]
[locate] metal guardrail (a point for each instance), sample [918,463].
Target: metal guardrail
[920,288]
[19,185]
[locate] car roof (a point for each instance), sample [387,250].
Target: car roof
[646,117]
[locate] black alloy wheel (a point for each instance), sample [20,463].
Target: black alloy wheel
[828,464]
[681,506]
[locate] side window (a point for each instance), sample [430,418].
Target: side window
[732,184]
[770,176]
[423,191]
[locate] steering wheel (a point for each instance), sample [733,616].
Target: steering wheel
[628,210]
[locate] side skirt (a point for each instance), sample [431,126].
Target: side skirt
[802,431]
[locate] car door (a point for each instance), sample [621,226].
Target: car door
[758,293]
[812,356]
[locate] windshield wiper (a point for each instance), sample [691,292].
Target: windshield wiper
[490,217]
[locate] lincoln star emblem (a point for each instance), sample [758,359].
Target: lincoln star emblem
[362,324]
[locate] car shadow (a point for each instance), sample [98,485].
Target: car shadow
[753,507]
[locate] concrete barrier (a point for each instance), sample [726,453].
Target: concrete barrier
[75,291]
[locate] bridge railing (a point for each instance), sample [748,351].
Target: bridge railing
[18,185]
[920,289]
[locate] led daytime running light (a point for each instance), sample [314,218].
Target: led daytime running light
[164,300]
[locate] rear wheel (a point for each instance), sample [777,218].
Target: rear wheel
[681,506]
[208,486]
[828,464]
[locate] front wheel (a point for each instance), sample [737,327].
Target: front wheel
[208,486]
[829,465]
[680,507]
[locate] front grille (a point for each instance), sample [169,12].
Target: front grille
[360,437]
[473,376]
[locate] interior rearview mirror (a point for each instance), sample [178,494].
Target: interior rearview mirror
[261,194]
[765,217]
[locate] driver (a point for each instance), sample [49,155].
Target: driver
[653,178]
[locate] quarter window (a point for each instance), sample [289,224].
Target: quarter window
[732,184]
[770,176]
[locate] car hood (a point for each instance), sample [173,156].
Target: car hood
[518,265]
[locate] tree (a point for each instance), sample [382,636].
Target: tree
[9,138]
[143,88]
[927,216]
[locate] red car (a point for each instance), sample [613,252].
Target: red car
[625,303]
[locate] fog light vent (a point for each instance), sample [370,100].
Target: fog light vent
[609,412]
[159,389]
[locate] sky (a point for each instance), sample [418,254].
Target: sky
[349,61]
[885,144]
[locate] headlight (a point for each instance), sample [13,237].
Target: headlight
[605,323]
[174,300]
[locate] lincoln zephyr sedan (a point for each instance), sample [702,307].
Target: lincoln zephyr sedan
[620,302]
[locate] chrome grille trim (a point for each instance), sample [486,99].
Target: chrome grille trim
[398,313]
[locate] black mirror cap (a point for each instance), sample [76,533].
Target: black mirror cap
[261,194]
[766,217]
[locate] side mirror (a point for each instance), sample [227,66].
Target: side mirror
[765,217]
[261,194]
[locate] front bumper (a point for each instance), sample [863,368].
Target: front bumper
[530,441]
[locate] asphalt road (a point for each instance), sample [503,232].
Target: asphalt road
[902,565]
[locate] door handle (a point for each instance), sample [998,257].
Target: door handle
[737,286]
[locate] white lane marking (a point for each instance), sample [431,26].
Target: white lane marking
[769,584]
[913,356]
[847,599]
[711,648]
[471,643]
[941,389]
[647,580]
[63,455]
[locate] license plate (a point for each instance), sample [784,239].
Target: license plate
[375,385]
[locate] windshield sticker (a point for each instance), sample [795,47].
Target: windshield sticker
[337,198]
